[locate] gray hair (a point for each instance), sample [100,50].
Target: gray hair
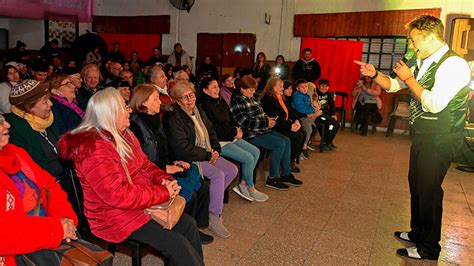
[176,74]
[153,72]
[179,88]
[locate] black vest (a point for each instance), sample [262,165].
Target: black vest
[453,117]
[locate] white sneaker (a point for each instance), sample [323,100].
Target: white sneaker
[258,196]
[242,191]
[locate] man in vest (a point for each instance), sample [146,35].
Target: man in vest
[438,85]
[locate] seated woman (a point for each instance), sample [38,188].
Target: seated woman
[11,77]
[257,127]
[230,137]
[191,138]
[120,183]
[274,105]
[146,125]
[32,121]
[67,113]
[366,103]
[227,88]
[32,204]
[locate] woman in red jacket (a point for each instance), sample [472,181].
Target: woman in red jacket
[103,149]
[34,211]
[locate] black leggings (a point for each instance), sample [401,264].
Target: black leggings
[296,140]
[198,206]
[181,245]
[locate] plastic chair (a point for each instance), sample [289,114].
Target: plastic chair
[400,110]
[342,109]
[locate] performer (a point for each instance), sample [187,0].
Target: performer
[438,84]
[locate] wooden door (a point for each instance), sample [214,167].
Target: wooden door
[209,44]
[462,37]
[238,50]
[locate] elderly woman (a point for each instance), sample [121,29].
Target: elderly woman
[230,137]
[91,76]
[274,105]
[366,103]
[32,205]
[146,125]
[11,75]
[120,183]
[35,131]
[192,139]
[67,113]
[257,127]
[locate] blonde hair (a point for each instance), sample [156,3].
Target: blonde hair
[87,68]
[101,113]
[268,90]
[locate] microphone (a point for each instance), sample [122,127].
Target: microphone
[410,54]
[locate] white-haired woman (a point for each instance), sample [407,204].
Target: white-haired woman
[103,150]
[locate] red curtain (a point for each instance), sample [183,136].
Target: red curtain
[337,62]
[142,43]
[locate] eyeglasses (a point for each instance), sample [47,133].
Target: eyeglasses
[2,119]
[67,84]
[188,97]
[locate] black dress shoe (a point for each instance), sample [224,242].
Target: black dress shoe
[415,253]
[205,238]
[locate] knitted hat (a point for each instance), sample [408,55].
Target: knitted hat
[27,91]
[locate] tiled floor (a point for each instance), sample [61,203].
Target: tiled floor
[345,213]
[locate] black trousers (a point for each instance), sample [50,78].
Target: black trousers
[180,245]
[198,206]
[366,112]
[296,140]
[430,158]
[330,129]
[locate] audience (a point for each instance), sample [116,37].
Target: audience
[207,67]
[156,57]
[366,103]
[257,127]
[261,71]
[11,77]
[327,122]
[192,139]
[309,112]
[67,113]
[91,76]
[94,57]
[120,183]
[40,70]
[179,57]
[116,55]
[227,88]
[33,205]
[307,67]
[230,138]
[280,68]
[287,123]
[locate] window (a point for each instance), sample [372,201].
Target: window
[382,52]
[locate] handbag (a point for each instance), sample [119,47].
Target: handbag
[166,214]
[77,252]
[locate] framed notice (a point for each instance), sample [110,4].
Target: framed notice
[64,29]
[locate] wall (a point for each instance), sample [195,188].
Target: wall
[247,16]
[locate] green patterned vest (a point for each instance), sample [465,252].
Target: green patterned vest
[451,119]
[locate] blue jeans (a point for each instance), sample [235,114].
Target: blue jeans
[244,153]
[280,148]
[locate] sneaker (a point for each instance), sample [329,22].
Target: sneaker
[305,154]
[242,191]
[205,238]
[294,168]
[258,196]
[323,148]
[275,183]
[217,227]
[311,147]
[291,180]
[302,158]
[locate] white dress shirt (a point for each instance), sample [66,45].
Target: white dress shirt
[453,75]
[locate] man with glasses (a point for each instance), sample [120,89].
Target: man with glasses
[438,85]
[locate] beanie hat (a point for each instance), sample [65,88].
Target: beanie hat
[27,91]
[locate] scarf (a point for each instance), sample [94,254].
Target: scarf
[37,123]
[202,136]
[71,105]
[282,104]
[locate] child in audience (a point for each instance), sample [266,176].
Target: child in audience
[301,102]
[328,119]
